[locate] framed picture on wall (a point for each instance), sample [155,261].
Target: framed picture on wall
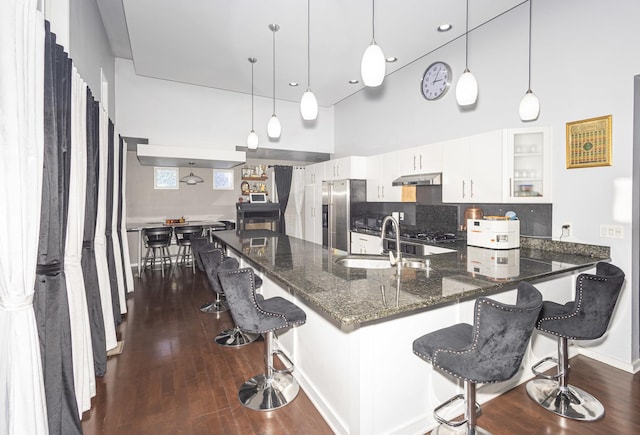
[589,142]
[165,178]
[222,179]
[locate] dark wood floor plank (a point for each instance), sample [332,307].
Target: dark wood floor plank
[173,379]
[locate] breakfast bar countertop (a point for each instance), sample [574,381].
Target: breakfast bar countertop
[354,297]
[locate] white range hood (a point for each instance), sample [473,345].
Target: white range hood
[173,156]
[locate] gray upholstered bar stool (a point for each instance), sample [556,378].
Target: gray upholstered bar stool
[585,318]
[489,351]
[183,240]
[198,245]
[214,261]
[211,258]
[157,240]
[251,312]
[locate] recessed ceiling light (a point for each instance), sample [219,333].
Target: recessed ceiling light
[293,84]
[444,27]
[354,81]
[391,59]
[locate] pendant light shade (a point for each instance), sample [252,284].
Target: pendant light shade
[252,139]
[308,103]
[529,105]
[191,179]
[373,66]
[467,86]
[274,128]
[466,89]
[309,106]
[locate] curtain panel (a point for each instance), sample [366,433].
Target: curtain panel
[283,176]
[22,38]
[108,229]
[51,303]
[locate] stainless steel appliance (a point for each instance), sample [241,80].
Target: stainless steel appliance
[337,199]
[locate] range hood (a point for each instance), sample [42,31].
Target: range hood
[433,179]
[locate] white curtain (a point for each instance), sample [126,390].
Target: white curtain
[100,241]
[294,208]
[21,158]
[83,370]
[115,240]
[128,273]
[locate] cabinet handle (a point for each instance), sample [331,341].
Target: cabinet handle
[382,191]
[471,188]
[463,195]
[378,191]
[338,171]
[510,187]
[420,161]
[414,162]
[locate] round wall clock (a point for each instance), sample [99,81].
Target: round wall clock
[436,80]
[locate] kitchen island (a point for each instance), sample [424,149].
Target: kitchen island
[354,357]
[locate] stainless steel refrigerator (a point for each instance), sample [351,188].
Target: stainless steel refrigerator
[338,197]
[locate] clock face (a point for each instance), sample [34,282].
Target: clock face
[436,80]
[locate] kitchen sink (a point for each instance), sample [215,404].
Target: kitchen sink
[363,261]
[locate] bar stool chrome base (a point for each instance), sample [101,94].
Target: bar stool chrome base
[235,337]
[216,306]
[443,429]
[266,394]
[569,401]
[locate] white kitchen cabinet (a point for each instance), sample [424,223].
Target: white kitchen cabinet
[346,167]
[313,213]
[472,169]
[365,244]
[420,160]
[382,169]
[527,165]
[314,174]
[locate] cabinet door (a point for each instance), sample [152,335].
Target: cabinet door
[313,213]
[472,169]
[346,167]
[365,244]
[314,174]
[420,160]
[527,159]
[382,169]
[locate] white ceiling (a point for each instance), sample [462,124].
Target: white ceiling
[207,42]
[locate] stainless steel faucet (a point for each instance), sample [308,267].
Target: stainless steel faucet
[396,226]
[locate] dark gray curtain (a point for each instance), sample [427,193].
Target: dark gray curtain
[108,231]
[89,270]
[50,301]
[120,170]
[283,186]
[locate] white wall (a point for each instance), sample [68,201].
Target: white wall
[584,58]
[169,113]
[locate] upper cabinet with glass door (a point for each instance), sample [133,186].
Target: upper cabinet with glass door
[527,160]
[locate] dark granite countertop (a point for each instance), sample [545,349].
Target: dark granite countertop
[353,297]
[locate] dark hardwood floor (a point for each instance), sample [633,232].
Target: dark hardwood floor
[173,379]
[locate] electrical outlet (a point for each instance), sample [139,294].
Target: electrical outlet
[566,229]
[401,215]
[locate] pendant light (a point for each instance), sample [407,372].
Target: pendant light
[529,105]
[273,127]
[308,103]
[252,139]
[467,87]
[373,66]
[191,179]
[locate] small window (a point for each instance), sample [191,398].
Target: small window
[165,178]
[222,179]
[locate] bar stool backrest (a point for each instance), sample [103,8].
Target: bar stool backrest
[184,234]
[158,237]
[199,244]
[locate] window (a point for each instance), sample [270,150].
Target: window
[165,178]
[222,179]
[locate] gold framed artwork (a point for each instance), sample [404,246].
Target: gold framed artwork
[589,142]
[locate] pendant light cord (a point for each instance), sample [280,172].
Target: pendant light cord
[373,21]
[466,41]
[530,8]
[308,45]
[252,95]
[274,71]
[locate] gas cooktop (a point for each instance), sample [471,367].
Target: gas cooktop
[431,237]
